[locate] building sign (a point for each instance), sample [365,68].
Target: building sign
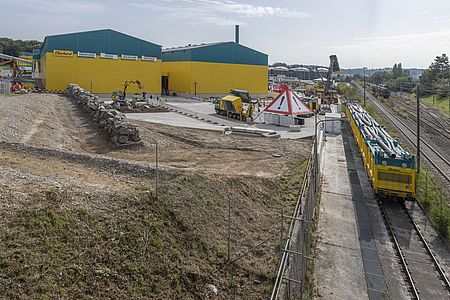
[109,56]
[65,53]
[129,57]
[87,54]
[149,58]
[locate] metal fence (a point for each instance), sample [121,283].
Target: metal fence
[5,86]
[295,259]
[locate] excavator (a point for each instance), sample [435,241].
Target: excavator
[327,95]
[119,97]
[333,68]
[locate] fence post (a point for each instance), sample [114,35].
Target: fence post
[281,235]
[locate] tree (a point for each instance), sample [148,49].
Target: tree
[394,69]
[279,64]
[442,87]
[397,70]
[436,74]
[14,47]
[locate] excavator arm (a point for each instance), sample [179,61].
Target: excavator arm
[333,68]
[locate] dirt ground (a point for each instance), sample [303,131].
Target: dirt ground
[82,227]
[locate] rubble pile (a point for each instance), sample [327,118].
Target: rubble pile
[115,123]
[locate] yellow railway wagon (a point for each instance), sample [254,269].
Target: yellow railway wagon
[390,168]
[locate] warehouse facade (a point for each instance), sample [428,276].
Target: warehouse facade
[214,69]
[99,61]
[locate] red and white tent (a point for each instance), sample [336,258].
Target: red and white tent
[288,103]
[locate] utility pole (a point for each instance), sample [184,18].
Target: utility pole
[364,86]
[229,230]
[418,128]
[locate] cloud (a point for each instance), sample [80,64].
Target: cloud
[59,7]
[219,12]
[412,49]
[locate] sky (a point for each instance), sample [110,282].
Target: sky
[371,33]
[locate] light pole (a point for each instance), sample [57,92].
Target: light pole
[156,168]
[418,128]
[316,158]
[364,70]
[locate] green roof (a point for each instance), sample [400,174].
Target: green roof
[101,41]
[222,52]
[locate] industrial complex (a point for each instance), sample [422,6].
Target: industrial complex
[100,60]
[134,170]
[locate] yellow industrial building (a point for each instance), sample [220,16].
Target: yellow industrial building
[99,61]
[214,69]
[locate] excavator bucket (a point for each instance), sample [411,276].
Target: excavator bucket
[334,64]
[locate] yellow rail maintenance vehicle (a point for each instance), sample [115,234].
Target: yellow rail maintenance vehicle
[233,107]
[390,168]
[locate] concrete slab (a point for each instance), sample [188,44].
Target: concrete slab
[173,119]
[204,110]
[338,264]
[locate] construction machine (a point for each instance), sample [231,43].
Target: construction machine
[333,68]
[119,97]
[328,95]
[244,95]
[232,107]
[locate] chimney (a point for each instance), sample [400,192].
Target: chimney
[236,32]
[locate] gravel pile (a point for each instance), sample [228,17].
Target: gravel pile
[121,132]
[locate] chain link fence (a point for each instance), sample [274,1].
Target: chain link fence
[295,259]
[5,86]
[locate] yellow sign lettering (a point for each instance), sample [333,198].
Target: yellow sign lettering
[65,53]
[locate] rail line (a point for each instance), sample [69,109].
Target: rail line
[433,121]
[438,161]
[418,261]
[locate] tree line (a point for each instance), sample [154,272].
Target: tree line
[436,79]
[14,47]
[397,80]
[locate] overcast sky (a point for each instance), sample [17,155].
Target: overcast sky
[371,33]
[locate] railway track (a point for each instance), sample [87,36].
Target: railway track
[430,119]
[424,274]
[439,162]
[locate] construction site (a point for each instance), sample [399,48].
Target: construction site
[136,171]
[133,171]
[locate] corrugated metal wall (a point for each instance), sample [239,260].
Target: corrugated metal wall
[106,41]
[227,52]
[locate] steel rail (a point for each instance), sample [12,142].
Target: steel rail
[427,247]
[400,251]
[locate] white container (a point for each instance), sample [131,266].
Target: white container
[333,123]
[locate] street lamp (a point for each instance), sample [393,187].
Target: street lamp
[364,70]
[418,127]
[316,158]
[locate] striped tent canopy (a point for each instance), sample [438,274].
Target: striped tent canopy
[288,103]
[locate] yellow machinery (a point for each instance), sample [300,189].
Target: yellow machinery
[121,95]
[232,107]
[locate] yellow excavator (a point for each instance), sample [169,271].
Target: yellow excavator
[232,107]
[119,95]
